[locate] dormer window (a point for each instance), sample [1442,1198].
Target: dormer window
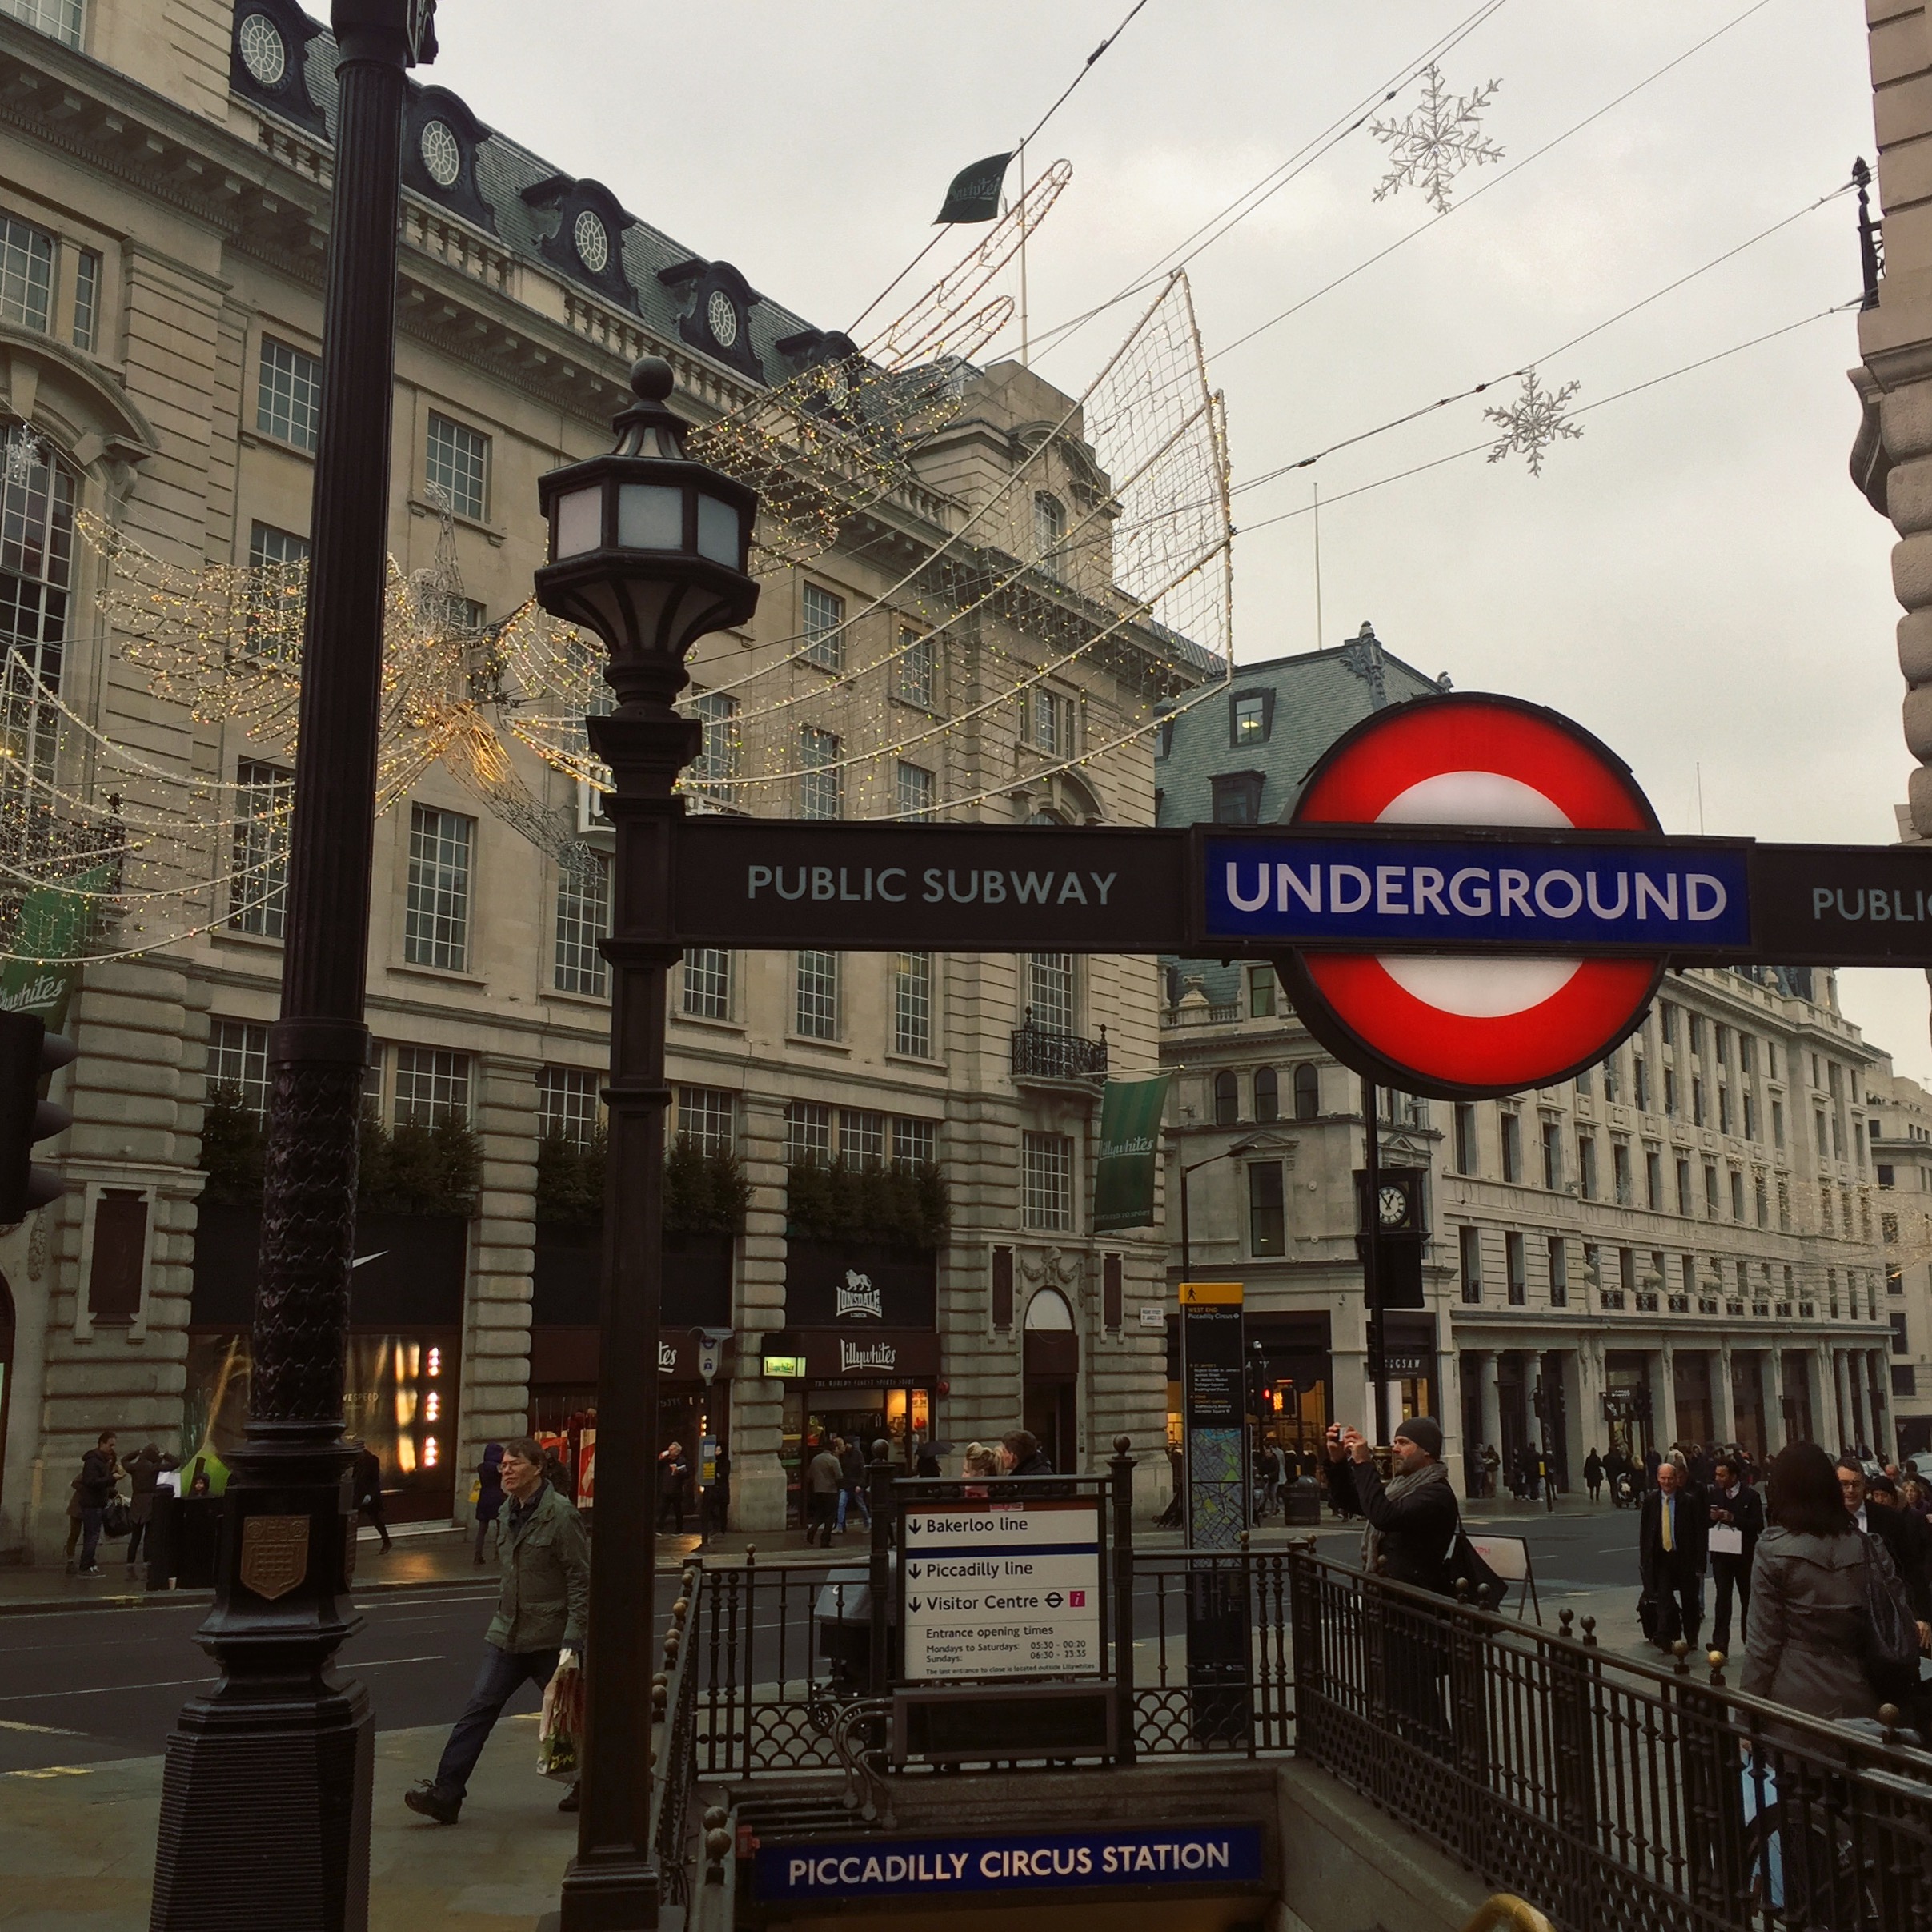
[264,52]
[266,57]
[587,242]
[441,152]
[719,318]
[440,139]
[1237,797]
[1049,529]
[1251,717]
[592,240]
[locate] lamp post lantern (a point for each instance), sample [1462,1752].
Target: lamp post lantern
[648,549]
[265,1799]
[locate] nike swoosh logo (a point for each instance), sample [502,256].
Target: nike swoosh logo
[361,1258]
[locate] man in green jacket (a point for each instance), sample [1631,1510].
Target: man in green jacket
[541,1612]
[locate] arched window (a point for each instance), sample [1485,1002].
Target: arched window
[1048,1311]
[1049,530]
[1227,1099]
[1308,1090]
[36,553]
[1267,1095]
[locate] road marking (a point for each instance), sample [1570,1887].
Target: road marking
[44,1730]
[376,1663]
[53,1770]
[106,1690]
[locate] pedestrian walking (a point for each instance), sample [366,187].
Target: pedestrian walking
[369,1489]
[1653,1462]
[824,1479]
[1873,1502]
[489,1495]
[1737,1521]
[1021,1455]
[1592,1472]
[144,1468]
[1672,1536]
[1615,1466]
[1808,1584]
[1277,1477]
[1492,1464]
[673,1472]
[851,1485]
[543,1609]
[93,1490]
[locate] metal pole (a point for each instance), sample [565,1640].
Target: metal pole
[266,1795]
[1372,1268]
[1121,1466]
[1187,1262]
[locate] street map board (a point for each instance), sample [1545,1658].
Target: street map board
[1007,1588]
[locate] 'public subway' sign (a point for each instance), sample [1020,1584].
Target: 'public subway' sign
[1220,1856]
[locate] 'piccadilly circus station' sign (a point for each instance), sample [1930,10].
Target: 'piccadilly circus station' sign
[1473,896]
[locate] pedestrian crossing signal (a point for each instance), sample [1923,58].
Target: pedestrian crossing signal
[28,1053]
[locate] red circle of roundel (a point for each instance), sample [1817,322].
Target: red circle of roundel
[1372,765]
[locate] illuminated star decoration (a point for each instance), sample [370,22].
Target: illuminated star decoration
[1533,422]
[1429,149]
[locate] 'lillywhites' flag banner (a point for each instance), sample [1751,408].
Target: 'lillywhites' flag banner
[1130,1141]
[53,923]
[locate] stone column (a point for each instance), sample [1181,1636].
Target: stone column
[1663,1408]
[1588,1428]
[1489,1366]
[1878,1377]
[1724,1414]
[758,1476]
[1848,1415]
[1826,1428]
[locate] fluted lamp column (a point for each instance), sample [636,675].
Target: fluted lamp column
[648,549]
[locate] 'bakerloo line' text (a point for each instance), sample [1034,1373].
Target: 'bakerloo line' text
[937,885]
[1477,892]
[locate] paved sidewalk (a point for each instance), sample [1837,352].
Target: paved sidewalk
[77,1843]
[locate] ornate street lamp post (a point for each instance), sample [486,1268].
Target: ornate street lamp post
[648,549]
[265,1802]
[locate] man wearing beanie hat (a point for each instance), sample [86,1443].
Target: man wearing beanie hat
[1412,1521]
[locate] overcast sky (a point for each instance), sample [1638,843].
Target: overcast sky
[1696,580]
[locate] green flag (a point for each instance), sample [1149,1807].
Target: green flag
[54,922]
[1130,1142]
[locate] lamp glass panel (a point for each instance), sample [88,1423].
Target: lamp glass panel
[717,531]
[580,522]
[651,516]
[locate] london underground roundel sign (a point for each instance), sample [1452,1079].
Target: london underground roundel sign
[1470,1026]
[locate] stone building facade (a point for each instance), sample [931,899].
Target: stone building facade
[1680,1245]
[1901,1152]
[165,171]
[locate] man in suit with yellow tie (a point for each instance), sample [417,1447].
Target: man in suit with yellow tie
[1671,1542]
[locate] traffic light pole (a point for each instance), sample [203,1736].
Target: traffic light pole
[266,1796]
[1372,1262]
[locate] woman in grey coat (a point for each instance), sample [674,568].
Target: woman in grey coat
[1807,1593]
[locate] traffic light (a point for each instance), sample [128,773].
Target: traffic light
[28,1054]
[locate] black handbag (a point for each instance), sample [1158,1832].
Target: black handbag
[1888,1637]
[116,1519]
[1486,1589]
[1646,1615]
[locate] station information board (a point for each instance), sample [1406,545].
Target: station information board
[1001,1589]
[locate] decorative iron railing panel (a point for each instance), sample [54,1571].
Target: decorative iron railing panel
[1044,1052]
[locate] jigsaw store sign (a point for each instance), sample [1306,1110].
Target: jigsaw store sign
[1222,1856]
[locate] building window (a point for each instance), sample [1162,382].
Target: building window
[583,917]
[714,769]
[816,1006]
[1823,1139]
[823,612]
[912,1004]
[1227,1099]
[1885,1179]
[288,395]
[436,926]
[918,669]
[1513,1146]
[1697,1100]
[1267,1095]
[1583,1084]
[1710,1191]
[1640,1082]
[277,562]
[913,792]
[707,1119]
[1737,1194]
[915,1143]
[1900,1345]
[1905,1380]
[1047,721]
[1251,717]
[1266,1228]
[1260,992]
[707,984]
[457,464]
[1654,1179]
[237,1062]
[1553,1155]
[821,779]
[1683,1188]
[87,298]
[1670,1097]
[807,1133]
[1465,1137]
[1894,1278]
[1049,531]
[862,1137]
[1777,1123]
[1620,1179]
[1469,1249]
[1049,990]
[431,1087]
[1612,1088]
[1586,1166]
[1559,1272]
[258,890]
[567,1104]
[1697,1034]
[1724,1108]
[1308,1090]
[1237,797]
[1750,1115]
[1048,1175]
[1515,1270]
[26,275]
[58,19]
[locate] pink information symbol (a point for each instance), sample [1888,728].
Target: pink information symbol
[1077,1599]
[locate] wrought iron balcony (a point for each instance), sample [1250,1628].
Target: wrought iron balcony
[1044,1052]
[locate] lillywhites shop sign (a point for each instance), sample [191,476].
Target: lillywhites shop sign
[1220,1856]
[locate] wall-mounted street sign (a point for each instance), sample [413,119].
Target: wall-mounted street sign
[1474,896]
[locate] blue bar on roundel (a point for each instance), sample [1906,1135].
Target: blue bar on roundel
[1543,897]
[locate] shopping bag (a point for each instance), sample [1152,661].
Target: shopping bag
[562,1728]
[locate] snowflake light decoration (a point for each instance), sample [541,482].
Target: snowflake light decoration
[1429,149]
[1533,422]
